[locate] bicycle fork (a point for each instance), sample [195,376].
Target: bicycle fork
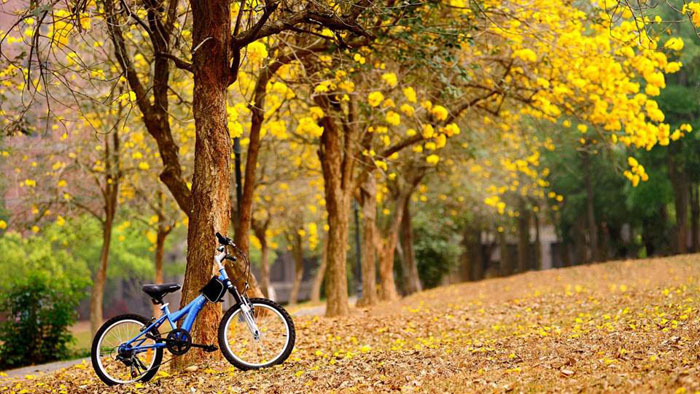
[246,310]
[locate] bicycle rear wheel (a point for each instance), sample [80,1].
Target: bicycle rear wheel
[260,338]
[116,364]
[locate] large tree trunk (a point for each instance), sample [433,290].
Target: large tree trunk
[681,194]
[523,238]
[368,192]
[211,179]
[409,267]
[336,154]
[336,274]
[590,209]
[320,273]
[298,255]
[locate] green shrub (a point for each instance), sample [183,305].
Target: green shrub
[39,311]
[436,246]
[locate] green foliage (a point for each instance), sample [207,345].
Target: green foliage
[25,256]
[40,308]
[436,246]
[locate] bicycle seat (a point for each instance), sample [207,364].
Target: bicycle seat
[158,291]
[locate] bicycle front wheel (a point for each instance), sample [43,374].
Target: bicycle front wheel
[259,338]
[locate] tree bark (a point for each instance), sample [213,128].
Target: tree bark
[506,261]
[298,256]
[390,235]
[538,242]
[695,218]
[163,230]
[153,103]
[320,273]
[98,287]
[211,179]
[472,257]
[412,283]
[337,156]
[368,199]
[681,194]
[337,204]
[523,238]
[110,192]
[478,255]
[260,230]
[590,209]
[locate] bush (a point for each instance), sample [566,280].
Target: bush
[39,311]
[436,246]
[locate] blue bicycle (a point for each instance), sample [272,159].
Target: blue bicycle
[254,333]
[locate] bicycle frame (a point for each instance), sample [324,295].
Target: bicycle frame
[191,310]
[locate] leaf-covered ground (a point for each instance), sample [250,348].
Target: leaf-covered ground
[615,327]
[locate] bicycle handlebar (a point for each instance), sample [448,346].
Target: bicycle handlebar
[223,240]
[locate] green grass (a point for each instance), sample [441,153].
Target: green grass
[83,339]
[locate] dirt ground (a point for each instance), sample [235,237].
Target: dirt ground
[616,327]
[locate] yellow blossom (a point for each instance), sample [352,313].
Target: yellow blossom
[375,98]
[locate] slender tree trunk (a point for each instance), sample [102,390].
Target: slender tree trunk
[98,287]
[211,179]
[681,194]
[538,242]
[320,273]
[410,267]
[387,284]
[695,218]
[605,241]
[523,238]
[368,199]
[264,258]
[161,235]
[387,250]
[257,110]
[298,255]
[390,238]
[160,243]
[506,260]
[477,256]
[466,266]
[590,209]
[110,194]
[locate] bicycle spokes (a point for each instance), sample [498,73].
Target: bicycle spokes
[257,337]
[121,362]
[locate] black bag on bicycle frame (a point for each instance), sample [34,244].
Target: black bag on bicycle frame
[214,290]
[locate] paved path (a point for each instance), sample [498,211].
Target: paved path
[21,373]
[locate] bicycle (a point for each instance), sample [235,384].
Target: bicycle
[254,333]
